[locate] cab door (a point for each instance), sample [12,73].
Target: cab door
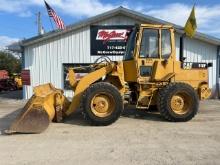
[148,53]
[154,51]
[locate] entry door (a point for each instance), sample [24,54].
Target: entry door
[148,53]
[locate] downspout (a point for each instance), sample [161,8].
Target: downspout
[218,72]
[22,68]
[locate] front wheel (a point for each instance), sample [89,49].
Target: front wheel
[177,102]
[102,104]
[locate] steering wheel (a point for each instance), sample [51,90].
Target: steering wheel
[103,59]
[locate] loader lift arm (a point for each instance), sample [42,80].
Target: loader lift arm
[49,104]
[84,83]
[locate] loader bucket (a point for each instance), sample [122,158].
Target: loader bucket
[46,105]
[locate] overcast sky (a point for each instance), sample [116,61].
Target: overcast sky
[18,17]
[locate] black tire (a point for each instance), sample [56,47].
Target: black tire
[191,101]
[96,89]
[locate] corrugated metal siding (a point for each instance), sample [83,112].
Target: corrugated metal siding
[197,51]
[177,46]
[45,60]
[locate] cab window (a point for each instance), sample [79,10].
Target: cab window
[149,44]
[166,44]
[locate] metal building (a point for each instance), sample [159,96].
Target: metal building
[46,55]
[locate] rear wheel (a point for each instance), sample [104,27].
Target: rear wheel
[178,102]
[102,104]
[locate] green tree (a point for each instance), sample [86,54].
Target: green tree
[10,63]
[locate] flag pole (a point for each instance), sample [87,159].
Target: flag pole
[51,23]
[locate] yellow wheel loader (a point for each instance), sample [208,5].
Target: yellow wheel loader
[148,75]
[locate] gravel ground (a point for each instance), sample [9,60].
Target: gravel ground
[138,137]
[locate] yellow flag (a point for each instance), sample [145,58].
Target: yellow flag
[191,25]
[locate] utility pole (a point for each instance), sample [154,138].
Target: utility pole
[39,24]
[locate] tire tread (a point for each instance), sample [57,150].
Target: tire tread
[92,119]
[162,101]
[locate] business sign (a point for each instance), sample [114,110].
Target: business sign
[25,77]
[109,40]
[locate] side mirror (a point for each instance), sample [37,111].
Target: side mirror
[183,59]
[209,65]
[165,61]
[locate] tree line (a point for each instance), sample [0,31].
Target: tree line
[10,63]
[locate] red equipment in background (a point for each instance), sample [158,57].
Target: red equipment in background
[3,74]
[6,84]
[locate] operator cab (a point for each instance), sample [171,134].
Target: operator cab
[147,46]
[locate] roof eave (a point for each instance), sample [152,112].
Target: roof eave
[120,10]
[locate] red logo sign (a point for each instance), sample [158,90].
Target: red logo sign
[112,34]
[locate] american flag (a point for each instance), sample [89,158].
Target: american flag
[59,22]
